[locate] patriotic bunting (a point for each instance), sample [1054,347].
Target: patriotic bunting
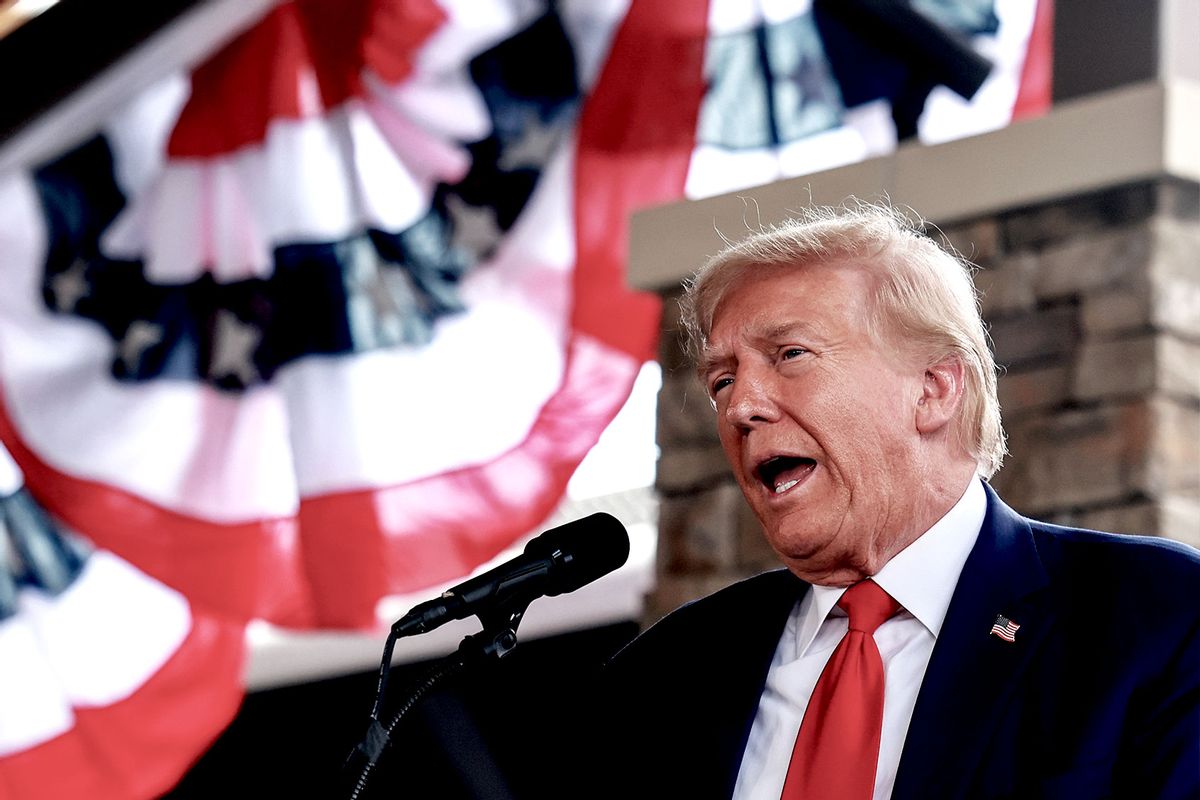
[111,684]
[340,346]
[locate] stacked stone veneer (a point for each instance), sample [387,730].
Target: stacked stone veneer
[1093,304]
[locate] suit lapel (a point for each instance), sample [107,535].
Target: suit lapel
[973,673]
[746,650]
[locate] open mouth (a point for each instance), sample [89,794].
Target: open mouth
[781,473]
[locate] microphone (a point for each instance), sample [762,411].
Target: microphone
[558,561]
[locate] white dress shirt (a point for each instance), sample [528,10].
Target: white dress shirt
[922,578]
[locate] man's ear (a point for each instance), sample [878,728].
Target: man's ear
[941,395]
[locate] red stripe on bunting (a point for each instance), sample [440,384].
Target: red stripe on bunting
[637,133]
[395,32]
[242,570]
[314,52]
[1034,95]
[226,112]
[142,745]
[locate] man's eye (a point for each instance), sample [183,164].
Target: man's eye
[719,384]
[791,352]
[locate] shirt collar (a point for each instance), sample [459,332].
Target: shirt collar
[921,577]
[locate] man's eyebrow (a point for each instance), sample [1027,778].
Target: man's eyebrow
[710,361]
[781,330]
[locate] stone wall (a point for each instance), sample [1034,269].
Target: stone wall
[1093,304]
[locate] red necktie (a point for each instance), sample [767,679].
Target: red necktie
[837,749]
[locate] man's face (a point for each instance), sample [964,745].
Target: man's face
[817,419]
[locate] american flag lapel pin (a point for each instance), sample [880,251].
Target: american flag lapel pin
[1005,628]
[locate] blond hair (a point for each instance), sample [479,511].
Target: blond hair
[924,298]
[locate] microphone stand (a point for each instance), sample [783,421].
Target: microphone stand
[497,639]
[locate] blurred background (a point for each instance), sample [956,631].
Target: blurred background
[311,309]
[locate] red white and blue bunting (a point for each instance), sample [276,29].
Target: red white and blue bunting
[111,683]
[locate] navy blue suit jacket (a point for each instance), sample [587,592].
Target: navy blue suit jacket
[1098,696]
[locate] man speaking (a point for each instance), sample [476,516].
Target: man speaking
[925,641]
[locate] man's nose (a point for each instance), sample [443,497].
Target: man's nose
[751,401]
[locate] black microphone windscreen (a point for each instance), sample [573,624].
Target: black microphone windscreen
[582,551]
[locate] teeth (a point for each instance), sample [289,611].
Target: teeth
[783,487]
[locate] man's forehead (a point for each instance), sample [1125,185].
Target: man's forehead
[775,306]
[771,327]
[802,285]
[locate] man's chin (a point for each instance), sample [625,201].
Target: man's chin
[802,552]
